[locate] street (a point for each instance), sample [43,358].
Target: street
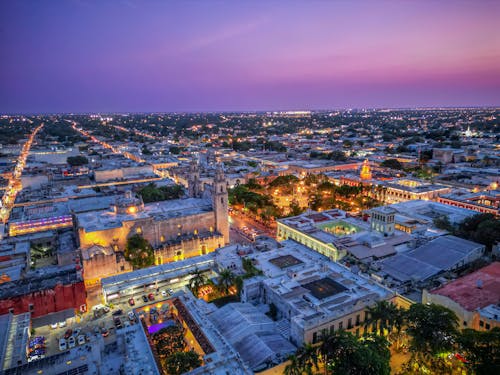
[237,221]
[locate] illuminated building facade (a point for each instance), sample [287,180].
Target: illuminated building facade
[403,190]
[366,173]
[176,229]
[316,230]
[483,202]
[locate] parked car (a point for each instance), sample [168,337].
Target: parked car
[87,336]
[62,344]
[131,302]
[68,334]
[62,324]
[97,330]
[170,290]
[104,332]
[71,342]
[117,312]
[77,331]
[151,297]
[53,325]
[164,293]
[131,316]
[81,340]
[145,299]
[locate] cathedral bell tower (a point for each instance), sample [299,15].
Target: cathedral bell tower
[194,182]
[220,203]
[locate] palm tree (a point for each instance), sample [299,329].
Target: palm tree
[382,315]
[308,357]
[226,279]
[197,281]
[293,367]
[398,321]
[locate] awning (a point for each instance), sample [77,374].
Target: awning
[52,318]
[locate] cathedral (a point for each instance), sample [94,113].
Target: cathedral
[176,229]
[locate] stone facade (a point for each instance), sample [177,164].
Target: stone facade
[176,229]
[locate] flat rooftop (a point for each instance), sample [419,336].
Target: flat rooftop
[440,254]
[476,290]
[285,261]
[159,211]
[324,288]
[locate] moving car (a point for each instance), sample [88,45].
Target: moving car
[62,344]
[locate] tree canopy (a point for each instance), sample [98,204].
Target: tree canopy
[343,353]
[392,163]
[77,160]
[432,328]
[152,193]
[139,252]
[182,362]
[482,228]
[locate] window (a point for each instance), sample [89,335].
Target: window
[465,323]
[481,323]
[315,337]
[487,326]
[341,325]
[357,320]
[332,328]
[349,323]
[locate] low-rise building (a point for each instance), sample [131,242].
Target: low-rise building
[310,292]
[46,290]
[474,298]
[445,253]
[405,189]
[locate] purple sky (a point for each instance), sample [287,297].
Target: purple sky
[209,55]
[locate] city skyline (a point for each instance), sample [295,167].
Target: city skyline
[88,56]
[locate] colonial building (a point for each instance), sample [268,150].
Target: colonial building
[176,229]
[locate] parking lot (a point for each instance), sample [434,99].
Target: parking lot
[100,321]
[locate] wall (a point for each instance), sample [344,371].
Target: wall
[60,298]
[101,265]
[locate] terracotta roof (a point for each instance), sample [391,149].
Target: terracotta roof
[476,290]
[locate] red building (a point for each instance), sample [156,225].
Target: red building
[44,293]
